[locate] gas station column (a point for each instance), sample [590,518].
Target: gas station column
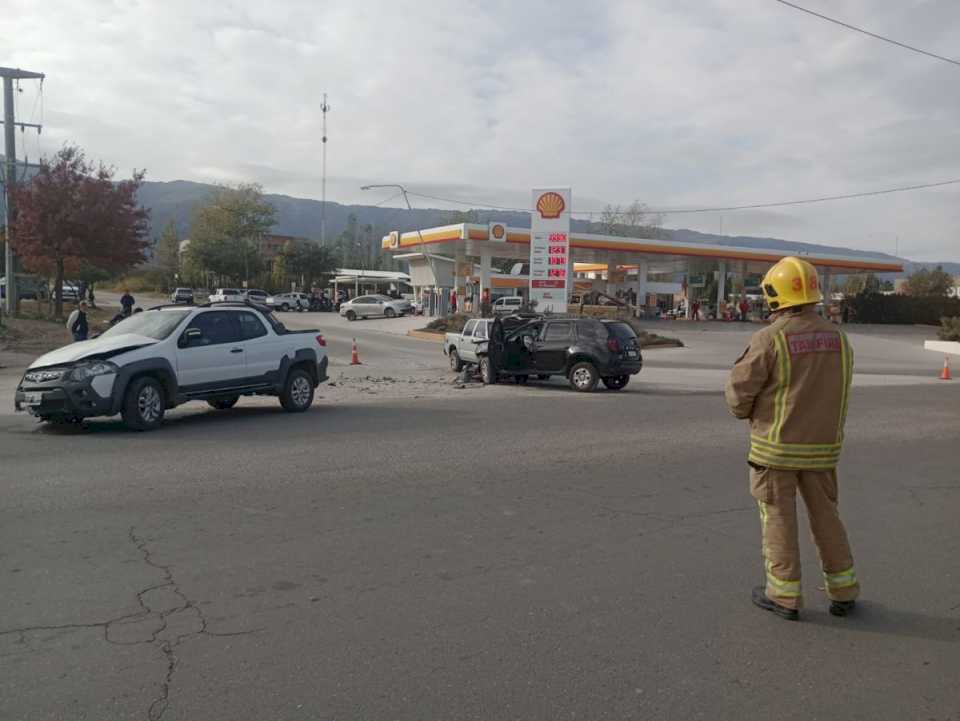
[643,270]
[721,285]
[611,271]
[485,262]
[459,286]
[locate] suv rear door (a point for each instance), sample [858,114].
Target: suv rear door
[550,355]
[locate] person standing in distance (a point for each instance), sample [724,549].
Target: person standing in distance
[77,323]
[792,384]
[127,302]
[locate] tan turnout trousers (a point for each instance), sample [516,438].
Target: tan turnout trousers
[776,493]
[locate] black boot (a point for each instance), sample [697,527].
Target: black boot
[759,598]
[842,608]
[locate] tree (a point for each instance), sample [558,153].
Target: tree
[226,231]
[635,221]
[929,282]
[310,261]
[861,283]
[73,216]
[168,256]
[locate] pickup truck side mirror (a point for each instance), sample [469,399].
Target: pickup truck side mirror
[190,337]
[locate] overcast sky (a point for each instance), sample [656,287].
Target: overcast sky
[676,103]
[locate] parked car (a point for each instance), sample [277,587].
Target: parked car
[257,296]
[160,358]
[227,295]
[289,301]
[182,295]
[583,350]
[70,293]
[29,287]
[365,306]
[507,304]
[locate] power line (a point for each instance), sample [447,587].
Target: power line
[867,32]
[712,209]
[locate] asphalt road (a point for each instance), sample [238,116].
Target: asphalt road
[497,553]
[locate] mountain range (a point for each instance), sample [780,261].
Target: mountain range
[175,201]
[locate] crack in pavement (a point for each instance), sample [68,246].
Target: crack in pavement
[165,606]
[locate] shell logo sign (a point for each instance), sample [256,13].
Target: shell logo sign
[394,239]
[497,233]
[550,205]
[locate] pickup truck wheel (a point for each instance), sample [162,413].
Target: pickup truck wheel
[456,365]
[143,404]
[223,404]
[521,380]
[486,372]
[390,313]
[616,383]
[351,315]
[285,307]
[297,393]
[583,377]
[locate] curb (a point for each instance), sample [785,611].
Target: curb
[421,335]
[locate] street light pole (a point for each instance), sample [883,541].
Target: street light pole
[324,108]
[10,176]
[423,245]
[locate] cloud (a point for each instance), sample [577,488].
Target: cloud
[672,102]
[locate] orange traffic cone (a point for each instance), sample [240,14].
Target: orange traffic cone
[945,373]
[355,355]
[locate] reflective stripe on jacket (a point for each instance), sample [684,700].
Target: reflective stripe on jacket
[792,382]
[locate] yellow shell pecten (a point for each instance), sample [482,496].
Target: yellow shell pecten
[551,205]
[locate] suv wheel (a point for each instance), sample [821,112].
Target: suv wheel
[616,383]
[486,371]
[583,377]
[143,404]
[390,313]
[456,365]
[351,315]
[297,394]
[223,404]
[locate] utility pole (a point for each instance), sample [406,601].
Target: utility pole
[323,182]
[10,176]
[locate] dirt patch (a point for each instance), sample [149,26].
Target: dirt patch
[31,333]
[652,340]
[447,324]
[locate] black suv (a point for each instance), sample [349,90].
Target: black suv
[583,350]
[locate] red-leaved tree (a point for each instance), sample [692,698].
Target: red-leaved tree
[73,215]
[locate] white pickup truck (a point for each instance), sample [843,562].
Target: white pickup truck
[463,347]
[158,359]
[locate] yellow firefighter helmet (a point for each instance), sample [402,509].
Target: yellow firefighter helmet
[791,282]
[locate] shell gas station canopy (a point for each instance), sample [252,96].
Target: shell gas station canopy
[463,244]
[663,256]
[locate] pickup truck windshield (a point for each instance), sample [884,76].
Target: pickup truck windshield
[156,324]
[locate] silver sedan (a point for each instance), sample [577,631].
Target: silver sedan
[366,306]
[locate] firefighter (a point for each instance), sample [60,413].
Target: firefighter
[792,384]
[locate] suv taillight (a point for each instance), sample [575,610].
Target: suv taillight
[321,341]
[613,344]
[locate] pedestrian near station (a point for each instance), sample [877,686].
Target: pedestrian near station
[77,323]
[792,384]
